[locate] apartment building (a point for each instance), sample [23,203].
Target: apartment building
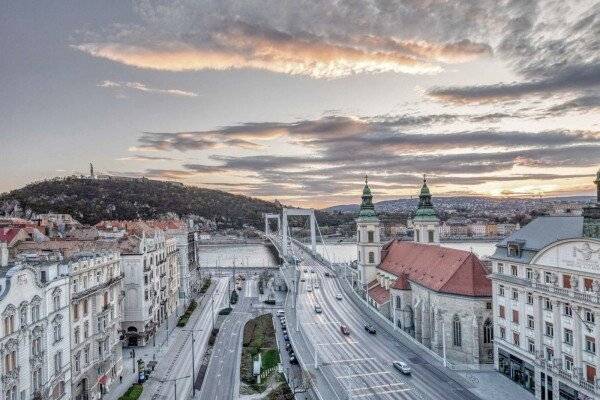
[97,297]
[35,341]
[546,299]
[150,265]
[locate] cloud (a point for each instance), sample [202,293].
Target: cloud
[579,104]
[570,79]
[138,157]
[141,87]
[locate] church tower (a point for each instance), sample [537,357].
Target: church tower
[368,240]
[426,222]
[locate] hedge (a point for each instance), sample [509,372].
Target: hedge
[133,393]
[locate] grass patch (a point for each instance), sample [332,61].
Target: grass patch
[133,393]
[187,314]
[259,337]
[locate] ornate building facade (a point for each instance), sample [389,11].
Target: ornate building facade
[35,340]
[438,295]
[546,289]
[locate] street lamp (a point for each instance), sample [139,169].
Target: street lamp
[193,359]
[174,380]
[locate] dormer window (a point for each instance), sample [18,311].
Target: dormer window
[514,249]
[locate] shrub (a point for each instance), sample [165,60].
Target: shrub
[226,311]
[133,393]
[234,297]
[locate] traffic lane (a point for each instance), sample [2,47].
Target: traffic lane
[382,343]
[358,372]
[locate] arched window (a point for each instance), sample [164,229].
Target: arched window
[488,331]
[417,235]
[398,302]
[371,257]
[456,331]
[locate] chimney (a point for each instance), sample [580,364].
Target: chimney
[3,254]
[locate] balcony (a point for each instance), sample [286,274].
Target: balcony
[93,289]
[570,294]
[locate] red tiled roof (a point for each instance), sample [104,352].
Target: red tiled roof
[402,282]
[438,268]
[9,234]
[378,293]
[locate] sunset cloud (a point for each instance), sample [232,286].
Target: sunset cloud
[141,87]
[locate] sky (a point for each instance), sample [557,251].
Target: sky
[298,100]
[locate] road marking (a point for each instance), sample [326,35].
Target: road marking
[378,386]
[350,360]
[337,343]
[380,393]
[365,374]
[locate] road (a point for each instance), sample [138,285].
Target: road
[360,365]
[222,378]
[176,362]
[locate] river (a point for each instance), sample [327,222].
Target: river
[258,255]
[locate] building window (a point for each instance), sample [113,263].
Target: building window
[488,305]
[371,257]
[57,363]
[10,361]
[588,284]
[86,329]
[568,310]
[549,353]
[418,235]
[515,295]
[488,331]
[9,324]
[398,302]
[35,312]
[371,236]
[37,379]
[568,363]
[56,302]
[502,333]
[590,374]
[515,316]
[529,274]
[23,316]
[529,298]
[36,346]
[456,331]
[75,311]
[430,236]
[590,344]
[77,361]
[501,290]
[567,281]
[568,336]
[514,271]
[501,311]
[589,316]
[86,354]
[530,322]
[85,307]
[76,335]
[500,268]
[358,237]
[549,329]
[530,346]
[548,277]
[57,332]
[547,304]
[516,339]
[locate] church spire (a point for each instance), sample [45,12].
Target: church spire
[425,208]
[367,209]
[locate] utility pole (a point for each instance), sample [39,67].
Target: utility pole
[193,359]
[174,380]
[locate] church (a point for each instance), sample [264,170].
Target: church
[440,296]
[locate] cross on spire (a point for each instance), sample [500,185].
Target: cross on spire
[424,178]
[366,179]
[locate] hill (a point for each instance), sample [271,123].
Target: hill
[91,200]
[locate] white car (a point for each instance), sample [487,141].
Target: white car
[338,296]
[402,367]
[309,288]
[316,285]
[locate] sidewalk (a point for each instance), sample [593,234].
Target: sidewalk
[147,353]
[492,385]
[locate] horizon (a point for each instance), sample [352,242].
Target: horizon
[298,101]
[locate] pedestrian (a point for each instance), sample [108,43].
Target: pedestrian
[120,378]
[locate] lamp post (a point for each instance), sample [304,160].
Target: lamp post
[193,359]
[174,380]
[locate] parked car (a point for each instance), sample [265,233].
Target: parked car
[402,367]
[327,274]
[305,270]
[338,296]
[312,271]
[370,329]
[293,360]
[345,330]
[280,313]
[286,338]
[309,288]
[302,279]
[318,309]
[316,285]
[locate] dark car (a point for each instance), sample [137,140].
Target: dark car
[286,338]
[370,329]
[327,274]
[293,360]
[345,330]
